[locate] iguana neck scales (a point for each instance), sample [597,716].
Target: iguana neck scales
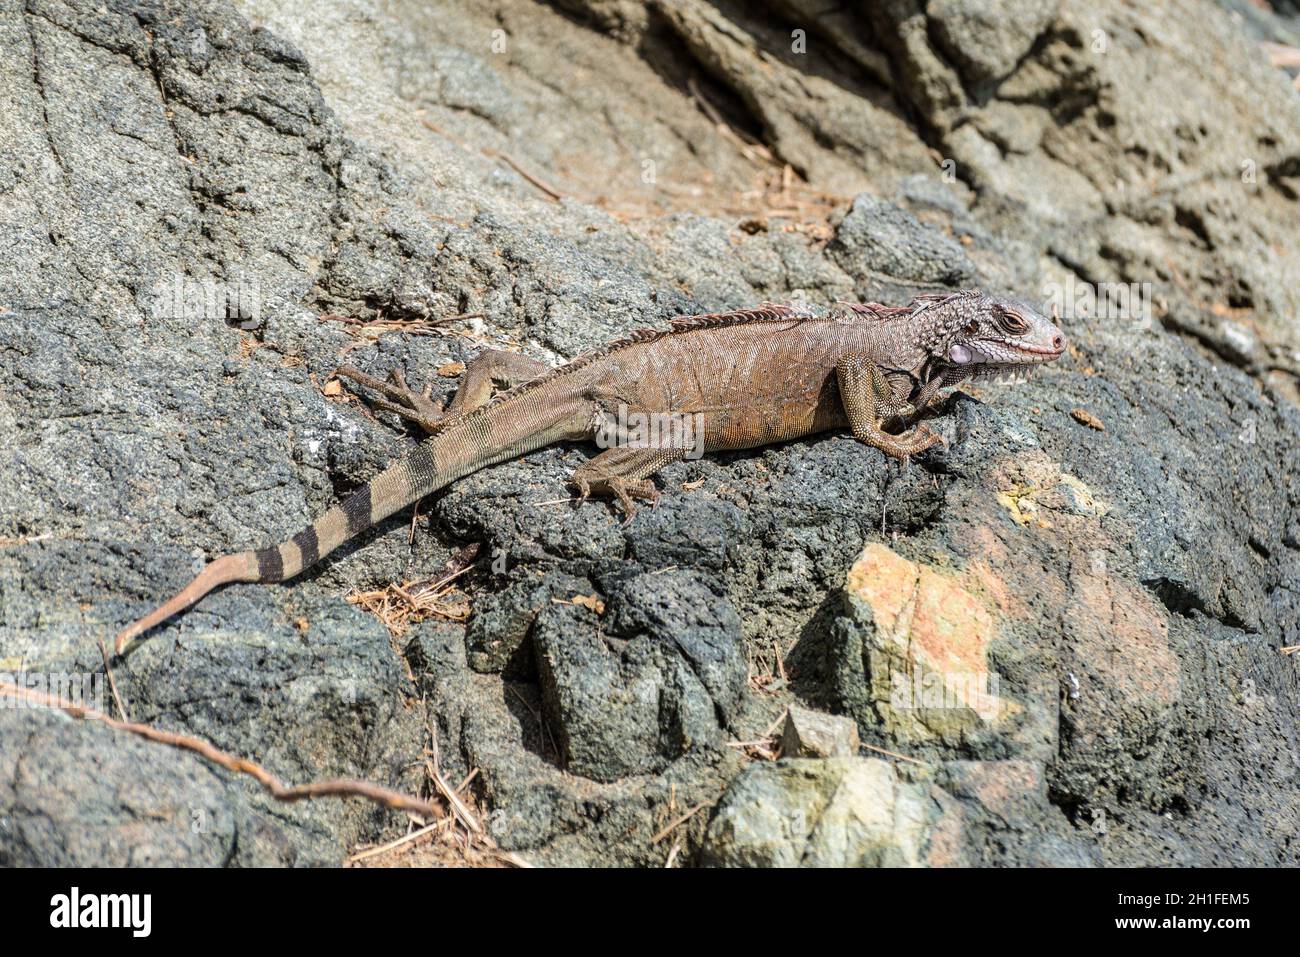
[745,379]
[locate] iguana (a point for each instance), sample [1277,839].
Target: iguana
[748,378]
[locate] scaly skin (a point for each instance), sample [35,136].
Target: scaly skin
[748,378]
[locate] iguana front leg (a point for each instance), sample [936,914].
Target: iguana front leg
[624,471]
[869,401]
[929,394]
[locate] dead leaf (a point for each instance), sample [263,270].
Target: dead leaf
[1084,417]
[588,601]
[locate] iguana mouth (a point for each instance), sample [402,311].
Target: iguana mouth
[1042,354]
[1004,372]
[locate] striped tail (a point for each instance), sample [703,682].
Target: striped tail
[402,483]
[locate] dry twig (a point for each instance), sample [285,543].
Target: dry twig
[893,754]
[400,842]
[678,822]
[514,164]
[334,787]
[112,682]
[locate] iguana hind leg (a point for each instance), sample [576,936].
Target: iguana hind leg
[483,373]
[623,472]
[489,369]
[417,407]
[869,401]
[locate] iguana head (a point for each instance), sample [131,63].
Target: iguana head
[990,335]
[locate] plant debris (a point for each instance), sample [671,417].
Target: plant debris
[399,606]
[1084,417]
[592,602]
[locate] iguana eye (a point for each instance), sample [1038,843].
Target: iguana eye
[1013,322]
[972,327]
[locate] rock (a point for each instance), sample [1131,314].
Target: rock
[661,675]
[811,734]
[989,37]
[833,812]
[987,798]
[839,140]
[63,803]
[880,237]
[1127,590]
[925,649]
[497,634]
[705,532]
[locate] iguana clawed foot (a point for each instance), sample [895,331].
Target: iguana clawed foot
[624,490]
[621,471]
[906,444]
[417,407]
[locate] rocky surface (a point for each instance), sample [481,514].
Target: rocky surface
[1060,641]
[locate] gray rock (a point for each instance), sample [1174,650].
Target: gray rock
[880,237]
[811,734]
[74,795]
[989,37]
[661,675]
[836,812]
[496,635]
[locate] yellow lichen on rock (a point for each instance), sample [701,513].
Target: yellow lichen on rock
[1034,486]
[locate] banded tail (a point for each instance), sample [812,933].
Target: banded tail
[399,485]
[461,447]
